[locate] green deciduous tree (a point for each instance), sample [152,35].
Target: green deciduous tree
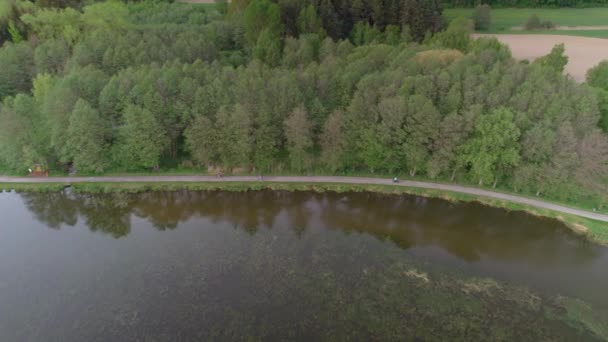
[235,140]
[141,140]
[261,15]
[332,141]
[309,22]
[88,137]
[372,152]
[17,61]
[494,148]
[13,31]
[422,124]
[201,140]
[457,36]
[298,131]
[482,17]
[20,145]
[268,48]
[556,59]
[51,56]
[598,76]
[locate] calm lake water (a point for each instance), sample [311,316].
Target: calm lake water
[279,266]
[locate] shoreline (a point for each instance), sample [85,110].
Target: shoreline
[592,225]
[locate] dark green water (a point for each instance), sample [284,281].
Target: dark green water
[277,266]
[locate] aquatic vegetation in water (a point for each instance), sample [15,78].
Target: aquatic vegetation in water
[271,265]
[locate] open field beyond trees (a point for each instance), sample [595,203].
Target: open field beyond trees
[588,22]
[583,53]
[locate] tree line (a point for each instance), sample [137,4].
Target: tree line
[337,18]
[150,85]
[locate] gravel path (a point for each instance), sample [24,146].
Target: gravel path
[315,179]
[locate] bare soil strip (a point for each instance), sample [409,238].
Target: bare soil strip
[583,53]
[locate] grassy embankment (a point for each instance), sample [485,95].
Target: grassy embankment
[507,20]
[581,202]
[594,230]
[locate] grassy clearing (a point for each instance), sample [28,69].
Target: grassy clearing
[505,19]
[595,230]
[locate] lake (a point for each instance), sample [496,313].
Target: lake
[291,266]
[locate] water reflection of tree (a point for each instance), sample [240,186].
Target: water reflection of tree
[52,208]
[468,231]
[108,213]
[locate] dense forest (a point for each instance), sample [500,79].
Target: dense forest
[142,86]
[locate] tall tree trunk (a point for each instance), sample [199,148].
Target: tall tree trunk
[494,185]
[453,175]
[413,171]
[480,181]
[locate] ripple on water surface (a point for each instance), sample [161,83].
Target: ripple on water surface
[291,266]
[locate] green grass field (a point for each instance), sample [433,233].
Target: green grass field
[505,19]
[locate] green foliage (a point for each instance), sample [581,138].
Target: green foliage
[364,33]
[392,35]
[534,23]
[222,6]
[17,61]
[237,7]
[262,16]
[555,60]
[332,141]
[598,76]
[87,142]
[268,47]
[457,36]
[482,17]
[16,36]
[139,85]
[298,131]
[494,148]
[201,140]
[19,145]
[141,140]
[602,96]
[309,22]
[235,139]
[53,23]
[51,56]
